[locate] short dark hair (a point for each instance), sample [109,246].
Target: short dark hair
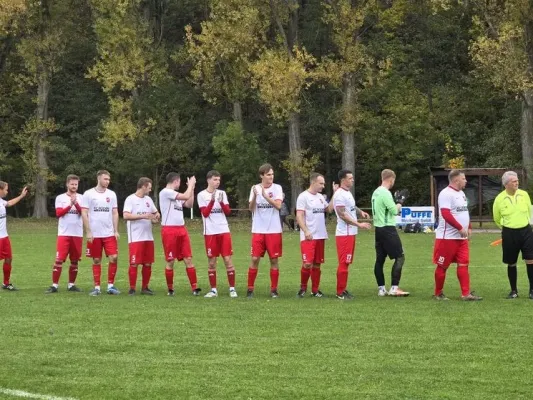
[343,173]
[102,172]
[454,173]
[263,169]
[213,173]
[314,176]
[3,185]
[72,178]
[142,182]
[172,176]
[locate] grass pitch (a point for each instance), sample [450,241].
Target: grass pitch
[122,347]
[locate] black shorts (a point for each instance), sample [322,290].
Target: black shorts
[388,242]
[515,241]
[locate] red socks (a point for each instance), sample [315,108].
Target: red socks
[191,274]
[169,275]
[274,277]
[231,277]
[7,273]
[464,279]
[72,273]
[315,279]
[132,273]
[146,275]
[56,273]
[342,277]
[212,274]
[97,273]
[305,273]
[440,277]
[252,274]
[111,273]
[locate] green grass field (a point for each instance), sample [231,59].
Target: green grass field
[122,347]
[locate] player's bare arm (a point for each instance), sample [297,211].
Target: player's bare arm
[330,207]
[341,212]
[300,218]
[14,201]
[253,202]
[276,203]
[133,217]
[85,219]
[361,213]
[115,222]
[191,182]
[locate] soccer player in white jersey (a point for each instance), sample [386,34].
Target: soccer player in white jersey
[452,236]
[69,235]
[311,207]
[176,242]
[347,227]
[140,213]
[214,207]
[5,244]
[99,212]
[265,203]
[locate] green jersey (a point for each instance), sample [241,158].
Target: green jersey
[384,209]
[512,211]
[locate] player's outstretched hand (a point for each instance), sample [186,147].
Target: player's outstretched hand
[255,191]
[335,187]
[365,225]
[220,197]
[400,196]
[191,181]
[24,191]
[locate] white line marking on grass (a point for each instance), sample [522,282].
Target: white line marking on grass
[28,395]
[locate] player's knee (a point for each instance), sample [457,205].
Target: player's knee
[113,258]
[97,261]
[307,266]
[274,263]
[212,264]
[255,261]
[8,260]
[188,262]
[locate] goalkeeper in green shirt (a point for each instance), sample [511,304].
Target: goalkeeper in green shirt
[512,213]
[388,243]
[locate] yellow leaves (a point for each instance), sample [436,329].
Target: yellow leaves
[281,79]
[119,125]
[301,162]
[10,10]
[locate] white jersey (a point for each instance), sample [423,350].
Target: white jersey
[265,218]
[455,201]
[216,222]
[171,208]
[344,198]
[3,219]
[314,206]
[100,206]
[71,223]
[139,230]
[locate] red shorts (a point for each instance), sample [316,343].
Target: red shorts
[68,246]
[108,244]
[141,252]
[448,251]
[218,245]
[5,248]
[267,242]
[345,248]
[176,243]
[313,251]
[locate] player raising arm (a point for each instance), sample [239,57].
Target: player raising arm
[5,244]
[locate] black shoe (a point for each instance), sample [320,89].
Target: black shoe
[301,293]
[513,294]
[9,287]
[147,291]
[74,288]
[347,295]
[274,294]
[317,294]
[52,289]
[131,292]
[170,292]
[196,292]
[250,293]
[531,294]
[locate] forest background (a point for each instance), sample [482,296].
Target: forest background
[143,87]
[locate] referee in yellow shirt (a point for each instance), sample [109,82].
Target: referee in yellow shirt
[512,213]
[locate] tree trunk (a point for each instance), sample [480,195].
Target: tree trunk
[295,154]
[526,134]
[348,124]
[41,179]
[155,186]
[237,112]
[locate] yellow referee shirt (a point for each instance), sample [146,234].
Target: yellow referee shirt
[512,211]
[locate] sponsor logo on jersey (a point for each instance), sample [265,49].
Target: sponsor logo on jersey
[101,209]
[268,205]
[107,199]
[319,210]
[178,207]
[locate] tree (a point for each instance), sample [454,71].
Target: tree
[503,52]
